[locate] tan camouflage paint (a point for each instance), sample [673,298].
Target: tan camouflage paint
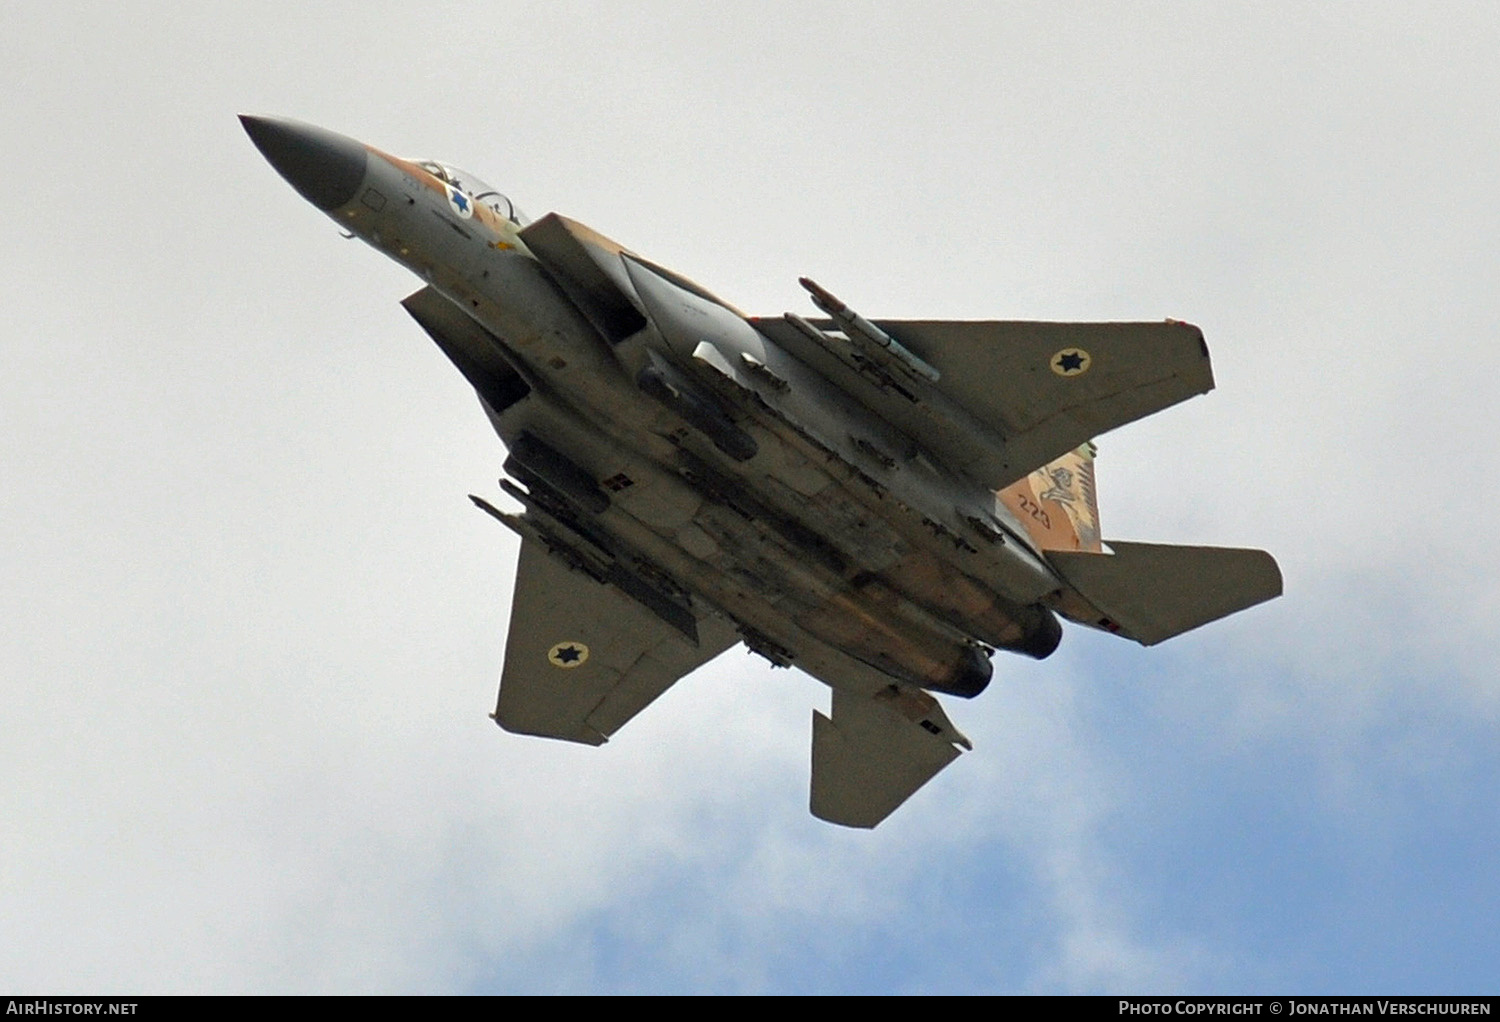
[1057,503]
[482,213]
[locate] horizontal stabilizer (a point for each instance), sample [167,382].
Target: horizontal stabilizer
[1149,592]
[874,753]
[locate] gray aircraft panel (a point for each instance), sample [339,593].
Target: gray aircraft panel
[872,754]
[586,266]
[581,658]
[1026,393]
[472,349]
[1150,592]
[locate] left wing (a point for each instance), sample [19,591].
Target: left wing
[1005,398]
[582,658]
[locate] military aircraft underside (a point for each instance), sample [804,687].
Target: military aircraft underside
[880,504]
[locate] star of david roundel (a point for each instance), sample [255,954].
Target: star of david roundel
[460,203]
[1071,362]
[568,655]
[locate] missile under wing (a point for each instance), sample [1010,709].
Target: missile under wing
[883,504]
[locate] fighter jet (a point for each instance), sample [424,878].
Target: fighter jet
[883,504]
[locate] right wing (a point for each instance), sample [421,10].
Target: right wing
[582,658]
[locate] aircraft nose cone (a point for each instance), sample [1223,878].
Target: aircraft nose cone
[325,167]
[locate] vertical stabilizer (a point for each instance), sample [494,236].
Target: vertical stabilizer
[1058,504]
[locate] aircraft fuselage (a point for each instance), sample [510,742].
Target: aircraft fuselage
[713,464]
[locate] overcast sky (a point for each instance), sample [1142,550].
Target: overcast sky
[252,627]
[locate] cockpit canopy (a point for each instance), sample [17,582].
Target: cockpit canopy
[477,190]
